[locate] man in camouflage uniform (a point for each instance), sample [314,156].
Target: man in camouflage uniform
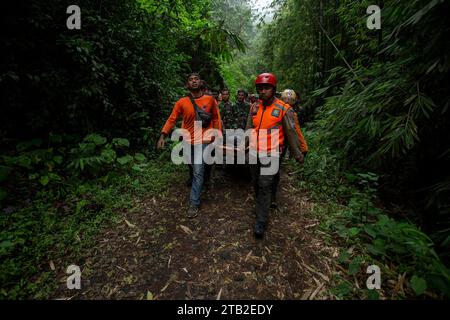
[226,110]
[215,93]
[241,109]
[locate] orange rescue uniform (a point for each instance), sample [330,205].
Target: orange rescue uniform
[185,108]
[277,116]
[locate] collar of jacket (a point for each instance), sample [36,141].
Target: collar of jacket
[269,103]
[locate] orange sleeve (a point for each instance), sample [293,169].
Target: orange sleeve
[303,144]
[177,111]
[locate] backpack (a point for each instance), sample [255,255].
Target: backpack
[200,114]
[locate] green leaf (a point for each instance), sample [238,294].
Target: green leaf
[446,242]
[108,155]
[344,256]
[124,160]
[418,284]
[351,177]
[320,91]
[44,180]
[370,231]
[80,205]
[373,211]
[87,148]
[354,266]
[54,177]
[149,295]
[378,247]
[6,244]
[33,176]
[55,138]
[21,161]
[140,157]
[373,295]
[353,231]
[121,142]
[58,159]
[95,138]
[343,289]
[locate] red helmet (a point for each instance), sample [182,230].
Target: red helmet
[266,78]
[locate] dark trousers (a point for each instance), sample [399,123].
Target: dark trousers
[265,187]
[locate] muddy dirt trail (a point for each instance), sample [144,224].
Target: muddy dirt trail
[158,253]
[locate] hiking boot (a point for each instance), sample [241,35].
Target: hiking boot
[258,230]
[192,211]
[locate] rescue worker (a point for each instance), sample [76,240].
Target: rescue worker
[186,108]
[293,99]
[290,97]
[273,124]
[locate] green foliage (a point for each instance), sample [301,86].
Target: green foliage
[239,73]
[28,167]
[65,168]
[411,249]
[53,197]
[94,154]
[388,112]
[237,16]
[418,284]
[347,211]
[378,99]
[355,266]
[120,72]
[51,227]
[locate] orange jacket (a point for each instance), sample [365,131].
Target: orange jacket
[281,116]
[184,108]
[301,139]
